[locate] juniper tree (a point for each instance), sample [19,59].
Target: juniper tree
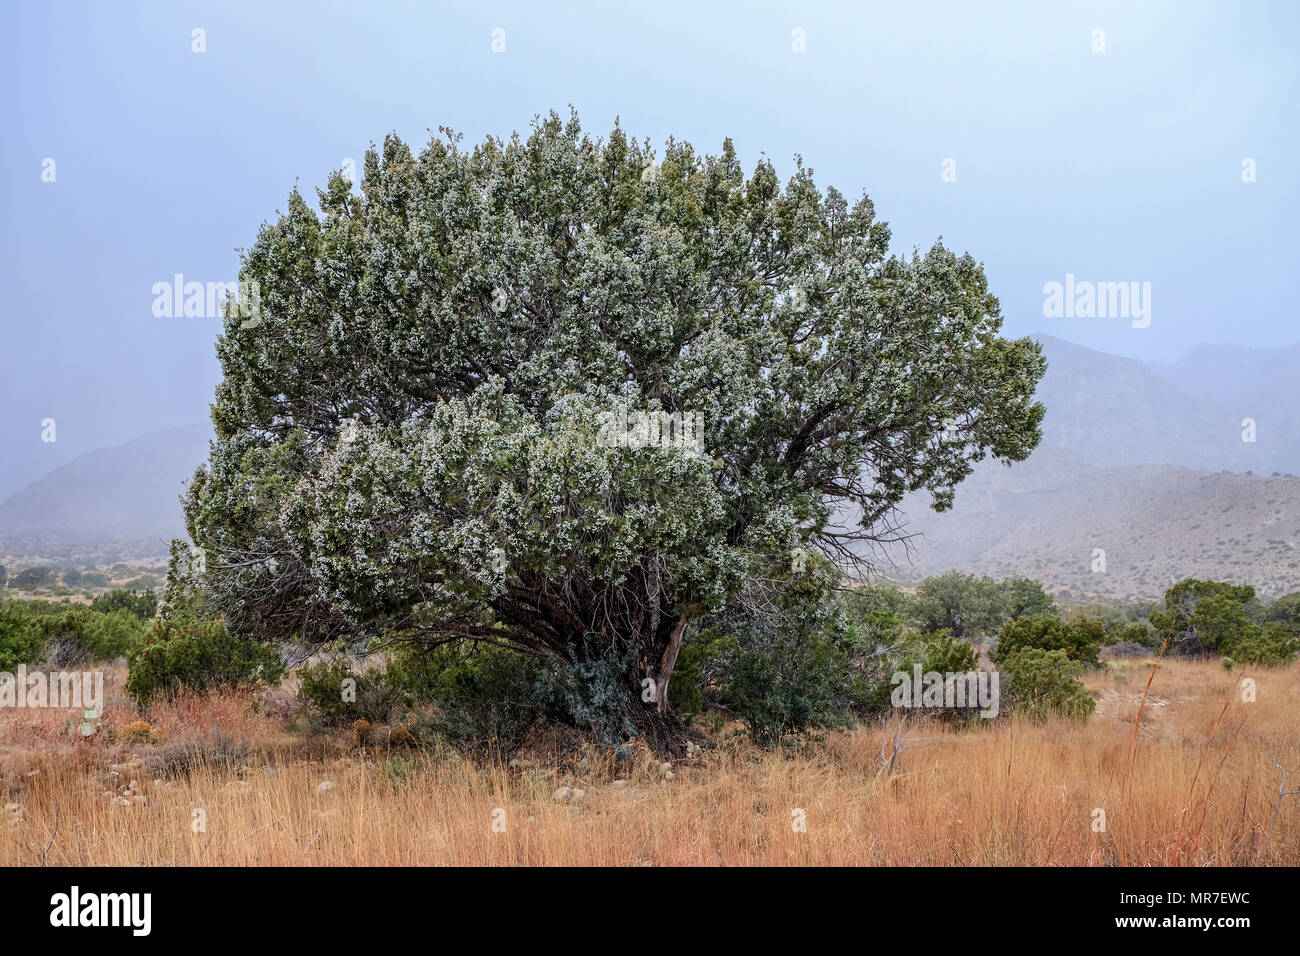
[409,431]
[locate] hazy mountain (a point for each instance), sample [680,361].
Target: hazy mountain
[1112,411]
[1132,463]
[1156,524]
[127,491]
[1228,372]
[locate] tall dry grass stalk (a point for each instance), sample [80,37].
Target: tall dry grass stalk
[1192,782]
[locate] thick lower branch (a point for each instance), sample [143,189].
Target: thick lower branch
[668,662]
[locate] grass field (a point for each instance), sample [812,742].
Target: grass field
[1192,783]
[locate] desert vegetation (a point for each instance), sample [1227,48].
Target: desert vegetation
[544,522]
[209,751]
[224,779]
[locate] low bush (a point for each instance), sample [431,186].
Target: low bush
[487,698]
[1038,683]
[1273,645]
[1081,640]
[143,604]
[337,695]
[198,654]
[20,642]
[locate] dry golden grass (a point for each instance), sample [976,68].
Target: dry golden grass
[1192,786]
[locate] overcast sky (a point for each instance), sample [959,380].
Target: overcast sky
[1117,166]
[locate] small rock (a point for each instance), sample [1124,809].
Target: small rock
[117,768]
[325,786]
[668,775]
[133,785]
[666,765]
[562,794]
[620,783]
[578,794]
[32,773]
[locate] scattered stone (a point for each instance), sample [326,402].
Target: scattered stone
[1122,650]
[325,786]
[668,775]
[562,795]
[620,783]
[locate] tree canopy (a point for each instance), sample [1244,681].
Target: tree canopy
[409,429]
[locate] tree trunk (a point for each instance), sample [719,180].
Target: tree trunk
[667,664]
[665,734]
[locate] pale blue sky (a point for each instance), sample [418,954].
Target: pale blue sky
[1115,166]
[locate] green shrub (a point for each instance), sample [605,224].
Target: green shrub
[1080,640]
[487,697]
[372,695]
[80,634]
[803,688]
[1272,645]
[143,605]
[1133,632]
[1037,683]
[936,651]
[697,668]
[20,643]
[1286,611]
[34,578]
[796,665]
[197,654]
[1204,617]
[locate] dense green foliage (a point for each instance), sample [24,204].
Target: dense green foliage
[412,434]
[20,642]
[972,608]
[32,578]
[65,635]
[143,604]
[1039,683]
[340,694]
[1213,617]
[1081,640]
[200,655]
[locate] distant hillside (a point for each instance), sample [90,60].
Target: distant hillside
[1230,371]
[1111,411]
[127,491]
[1156,523]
